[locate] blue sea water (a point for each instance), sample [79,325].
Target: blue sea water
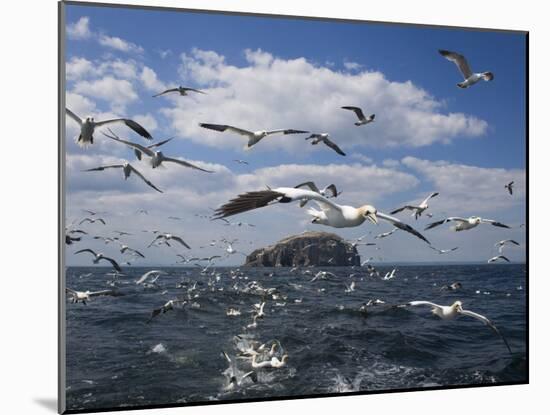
[116,358]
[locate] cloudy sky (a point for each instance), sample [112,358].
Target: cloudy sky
[268,73]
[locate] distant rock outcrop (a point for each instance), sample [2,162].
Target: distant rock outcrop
[306,249]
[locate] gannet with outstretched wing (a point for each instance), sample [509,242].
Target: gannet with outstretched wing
[328,192]
[460,61]
[444,251]
[500,244]
[88,126]
[156,157]
[324,138]
[168,306]
[127,169]
[510,188]
[169,237]
[253,136]
[417,210]
[331,214]
[183,91]
[463,224]
[359,112]
[83,296]
[496,258]
[154,145]
[455,310]
[99,256]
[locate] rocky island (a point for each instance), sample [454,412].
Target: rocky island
[306,249]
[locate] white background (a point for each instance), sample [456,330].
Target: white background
[28,74]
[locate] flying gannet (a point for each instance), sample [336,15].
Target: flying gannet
[83,296]
[254,137]
[99,256]
[138,153]
[181,90]
[324,138]
[165,237]
[328,192]
[455,310]
[496,258]
[510,188]
[331,214]
[235,377]
[156,157]
[168,306]
[470,78]
[500,244]
[444,251]
[359,112]
[127,169]
[417,210]
[463,224]
[88,126]
[92,220]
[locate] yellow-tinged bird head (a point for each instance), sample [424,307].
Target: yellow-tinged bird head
[369,212]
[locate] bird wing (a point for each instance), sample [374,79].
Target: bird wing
[313,136]
[434,194]
[99,293]
[311,185]
[166,92]
[181,241]
[417,303]
[137,173]
[129,123]
[332,189]
[247,201]
[333,145]
[495,223]
[73,116]
[113,263]
[441,222]
[160,143]
[222,127]
[186,164]
[504,258]
[70,291]
[101,168]
[137,146]
[513,242]
[286,131]
[86,250]
[408,207]
[136,252]
[194,90]
[488,322]
[459,60]
[403,226]
[358,111]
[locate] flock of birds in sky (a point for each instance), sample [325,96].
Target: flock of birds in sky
[327,212]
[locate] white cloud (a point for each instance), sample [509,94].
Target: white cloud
[117,92]
[147,121]
[119,44]
[78,68]
[150,80]
[80,29]
[471,190]
[352,66]
[294,93]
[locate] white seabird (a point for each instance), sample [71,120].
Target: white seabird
[385,234]
[152,273]
[168,306]
[455,310]
[156,157]
[359,112]
[328,191]
[235,377]
[127,169]
[273,363]
[500,244]
[92,220]
[88,126]
[510,187]
[324,138]
[126,249]
[99,256]
[83,296]
[165,237]
[417,210]
[444,251]
[463,224]
[460,61]
[253,136]
[331,214]
[496,258]
[183,91]
[151,146]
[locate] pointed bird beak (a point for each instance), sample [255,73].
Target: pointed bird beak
[372,217]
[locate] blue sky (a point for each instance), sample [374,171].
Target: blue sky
[408,83]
